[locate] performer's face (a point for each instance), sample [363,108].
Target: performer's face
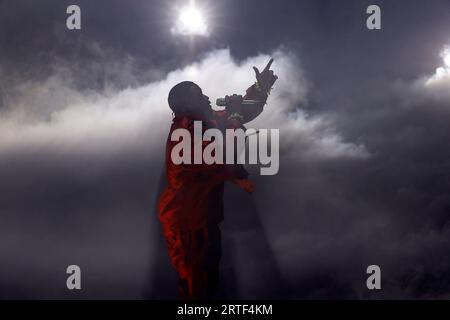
[198,100]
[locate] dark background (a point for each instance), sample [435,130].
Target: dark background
[308,232]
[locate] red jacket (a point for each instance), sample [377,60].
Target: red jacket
[193,197]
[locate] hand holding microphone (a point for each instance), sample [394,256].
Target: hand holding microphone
[264,82]
[234,100]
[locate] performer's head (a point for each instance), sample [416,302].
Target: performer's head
[188,97]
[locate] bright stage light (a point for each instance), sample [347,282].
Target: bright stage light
[447,60]
[445,55]
[191,22]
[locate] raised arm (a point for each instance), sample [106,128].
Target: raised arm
[259,91]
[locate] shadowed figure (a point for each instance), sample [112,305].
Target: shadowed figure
[248,269]
[190,207]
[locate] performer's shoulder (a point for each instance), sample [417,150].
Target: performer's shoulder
[182,121]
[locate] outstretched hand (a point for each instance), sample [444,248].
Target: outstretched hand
[266,78]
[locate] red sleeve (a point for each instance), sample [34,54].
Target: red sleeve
[250,112]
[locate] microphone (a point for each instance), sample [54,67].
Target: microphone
[227,101]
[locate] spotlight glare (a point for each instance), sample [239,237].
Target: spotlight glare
[447,60]
[190,22]
[445,55]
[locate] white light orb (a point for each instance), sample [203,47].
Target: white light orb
[447,60]
[445,55]
[191,22]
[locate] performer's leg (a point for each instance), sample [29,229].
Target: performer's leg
[196,256]
[178,247]
[213,254]
[203,257]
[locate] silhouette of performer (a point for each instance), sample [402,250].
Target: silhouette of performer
[191,205]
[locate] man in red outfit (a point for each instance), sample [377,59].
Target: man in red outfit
[191,206]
